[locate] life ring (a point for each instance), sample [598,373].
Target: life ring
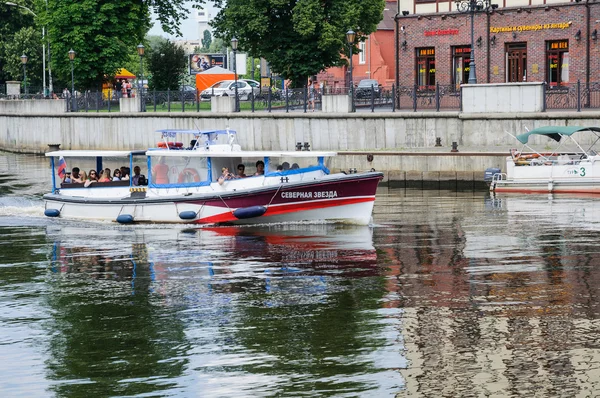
[187,175]
[161,144]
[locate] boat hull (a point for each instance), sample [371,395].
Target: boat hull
[347,199]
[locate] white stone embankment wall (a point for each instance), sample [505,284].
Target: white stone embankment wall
[400,142]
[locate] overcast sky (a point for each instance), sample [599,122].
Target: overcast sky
[189,26]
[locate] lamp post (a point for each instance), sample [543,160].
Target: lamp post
[24,61]
[9,3]
[234,46]
[471,7]
[72,58]
[140,50]
[350,36]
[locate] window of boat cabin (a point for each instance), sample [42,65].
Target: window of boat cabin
[97,165]
[283,164]
[557,63]
[178,170]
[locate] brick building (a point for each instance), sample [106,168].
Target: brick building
[518,40]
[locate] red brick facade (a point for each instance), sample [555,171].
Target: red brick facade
[533,27]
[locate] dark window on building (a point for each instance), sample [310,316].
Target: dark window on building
[516,62]
[557,62]
[461,57]
[426,68]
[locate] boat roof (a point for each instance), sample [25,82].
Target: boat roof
[238,154]
[555,132]
[94,154]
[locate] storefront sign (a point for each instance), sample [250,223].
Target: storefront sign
[441,32]
[525,28]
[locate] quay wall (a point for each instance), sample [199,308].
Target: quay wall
[402,143]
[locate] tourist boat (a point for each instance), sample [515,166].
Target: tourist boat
[569,168]
[184,185]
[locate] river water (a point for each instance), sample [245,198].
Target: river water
[446,294]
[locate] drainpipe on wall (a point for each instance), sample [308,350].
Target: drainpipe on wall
[397,51]
[587,53]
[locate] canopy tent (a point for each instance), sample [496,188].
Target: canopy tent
[555,132]
[209,77]
[124,74]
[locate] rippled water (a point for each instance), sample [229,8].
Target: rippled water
[446,294]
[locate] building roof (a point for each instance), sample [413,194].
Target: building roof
[390,10]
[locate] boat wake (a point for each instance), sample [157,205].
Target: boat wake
[21,207]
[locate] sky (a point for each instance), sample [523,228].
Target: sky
[189,26]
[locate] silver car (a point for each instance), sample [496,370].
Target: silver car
[226,88]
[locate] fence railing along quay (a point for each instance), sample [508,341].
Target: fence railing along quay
[568,96]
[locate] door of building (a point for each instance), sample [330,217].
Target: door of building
[516,62]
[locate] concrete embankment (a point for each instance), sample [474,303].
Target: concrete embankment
[402,145]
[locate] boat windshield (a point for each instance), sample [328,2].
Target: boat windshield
[169,171]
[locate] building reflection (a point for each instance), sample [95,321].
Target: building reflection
[505,308]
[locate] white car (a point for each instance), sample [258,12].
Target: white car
[226,88]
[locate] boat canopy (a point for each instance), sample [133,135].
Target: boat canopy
[240,154]
[555,132]
[94,154]
[197,133]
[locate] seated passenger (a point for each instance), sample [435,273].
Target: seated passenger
[75,176]
[260,168]
[138,179]
[124,173]
[192,144]
[83,176]
[225,175]
[285,165]
[280,168]
[117,175]
[67,178]
[241,171]
[92,176]
[105,176]
[295,166]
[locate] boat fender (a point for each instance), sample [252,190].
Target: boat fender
[125,219]
[188,215]
[249,212]
[52,212]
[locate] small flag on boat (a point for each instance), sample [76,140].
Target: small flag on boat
[62,167]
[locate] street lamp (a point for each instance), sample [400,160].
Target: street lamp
[140,50]
[24,61]
[472,6]
[350,36]
[234,46]
[72,58]
[9,3]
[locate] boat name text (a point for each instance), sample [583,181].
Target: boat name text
[310,195]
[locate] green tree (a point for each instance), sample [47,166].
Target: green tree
[299,38]
[26,41]
[217,46]
[14,19]
[206,40]
[167,64]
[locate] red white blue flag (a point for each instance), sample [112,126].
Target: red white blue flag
[62,167]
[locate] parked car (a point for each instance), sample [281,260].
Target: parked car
[254,84]
[226,88]
[364,87]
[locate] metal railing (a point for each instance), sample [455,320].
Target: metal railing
[571,96]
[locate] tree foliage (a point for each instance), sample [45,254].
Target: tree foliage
[167,65]
[18,37]
[206,40]
[299,38]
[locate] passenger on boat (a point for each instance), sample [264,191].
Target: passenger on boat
[260,168]
[285,166]
[160,172]
[138,179]
[192,144]
[117,175]
[75,176]
[67,178]
[241,171]
[105,176]
[225,175]
[83,176]
[124,173]
[295,166]
[93,176]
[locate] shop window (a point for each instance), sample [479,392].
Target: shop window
[426,69]
[557,63]
[362,55]
[516,62]
[461,57]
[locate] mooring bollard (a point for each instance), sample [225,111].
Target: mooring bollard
[438,141]
[454,147]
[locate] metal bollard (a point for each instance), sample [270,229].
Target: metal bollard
[454,147]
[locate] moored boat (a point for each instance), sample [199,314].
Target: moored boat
[563,170]
[193,185]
